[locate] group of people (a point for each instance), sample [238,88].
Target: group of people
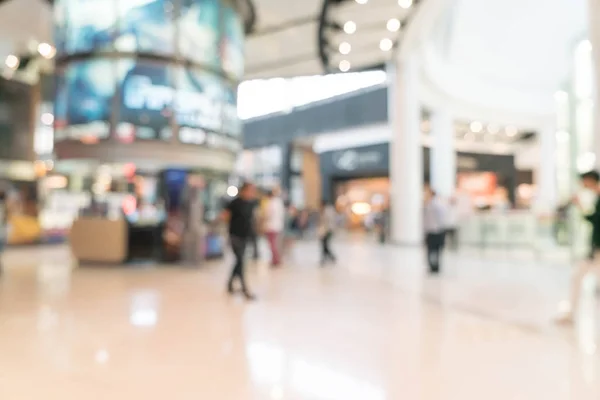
[248,218]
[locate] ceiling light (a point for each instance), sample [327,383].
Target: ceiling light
[393,25]
[476,126]
[344,65]
[46,50]
[386,44]
[511,131]
[345,48]
[47,118]
[493,129]
[405,3]
[362,1]
[12,61]
[350,27]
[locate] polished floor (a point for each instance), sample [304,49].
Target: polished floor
[374,327]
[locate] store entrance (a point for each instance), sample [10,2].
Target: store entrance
[360,200]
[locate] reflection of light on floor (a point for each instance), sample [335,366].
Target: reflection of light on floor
[54,279]
[102,356]
[586,329]
[144,309]
[324,383]
[266,362]
[268,366]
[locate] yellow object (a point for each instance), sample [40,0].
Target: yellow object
[24,229]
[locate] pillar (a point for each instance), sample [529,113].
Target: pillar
[443,155]
[594,38]
[406,153]
[546,179]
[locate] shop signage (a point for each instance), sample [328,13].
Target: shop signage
[352,160]
[464,162]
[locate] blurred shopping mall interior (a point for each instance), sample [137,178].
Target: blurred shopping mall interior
[437,147]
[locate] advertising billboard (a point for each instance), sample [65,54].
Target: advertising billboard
[145,100]
[145,69]
[198,36]
[90,89]
[232,43]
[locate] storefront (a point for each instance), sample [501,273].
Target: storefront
[483,176]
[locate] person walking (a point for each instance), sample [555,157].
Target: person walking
[433,222]
[591,181]
[274,225]
[326,228]
[240,213]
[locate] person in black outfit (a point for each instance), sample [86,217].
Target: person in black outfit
[240,214]
[254,237]
[591,181]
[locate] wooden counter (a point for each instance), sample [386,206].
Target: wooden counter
[99,240]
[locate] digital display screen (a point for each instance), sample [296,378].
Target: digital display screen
[199,31]
[90,89]
[146,100]
[138,97]
[232,43]
[145,26]
[150,26]
[90,25]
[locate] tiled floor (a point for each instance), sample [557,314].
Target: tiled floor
[374,327]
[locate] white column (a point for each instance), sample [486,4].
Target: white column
[594,38]
[406,153]
[546,179]
[442,162]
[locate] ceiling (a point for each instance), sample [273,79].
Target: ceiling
[506,54]
[499,54]
[22,21]
[284,41]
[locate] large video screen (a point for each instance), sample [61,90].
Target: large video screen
[145,26]
[90,89]
[232,43]
[89,26]
[60,26]
[232,125]
[199,31]
[198,104]
[146,100]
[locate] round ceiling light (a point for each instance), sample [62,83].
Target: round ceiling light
[362,1]
[350,27]
[345,48]
[393,25]
[493,129]
[344,65]
[511,131]
[46,50]
[476,126]
[386,44]
[405,3]
[12,61]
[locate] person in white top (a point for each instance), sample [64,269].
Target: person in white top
[274,224]
[434,220]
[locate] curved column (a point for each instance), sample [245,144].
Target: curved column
[161,71]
